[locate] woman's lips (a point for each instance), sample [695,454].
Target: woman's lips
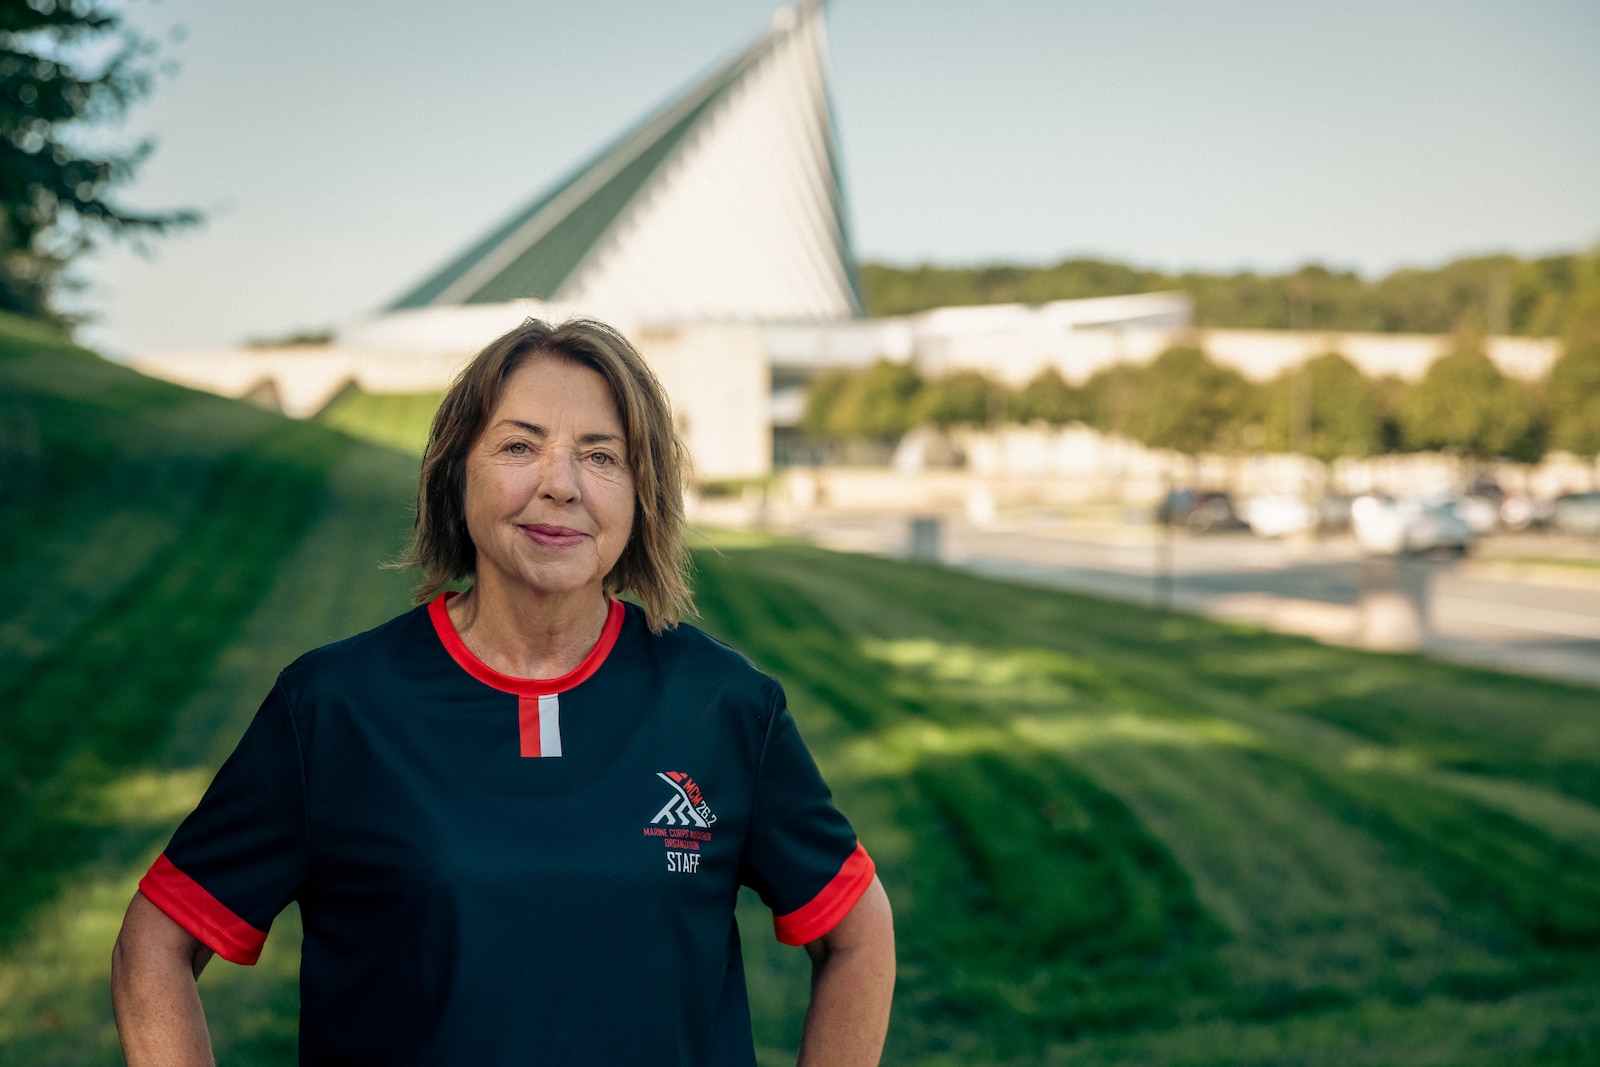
[553,536]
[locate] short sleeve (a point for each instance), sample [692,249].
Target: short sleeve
[801,855]
[240,857]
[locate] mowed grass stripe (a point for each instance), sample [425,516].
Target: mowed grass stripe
[1186,684]
[1513,874]
[1318,910]
[1111,933]
[99,468]
[788,636]
[102,699]
[1453,718]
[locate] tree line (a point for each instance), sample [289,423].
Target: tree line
[1495,294]
[1185,401]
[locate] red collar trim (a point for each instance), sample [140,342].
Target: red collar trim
[530,687]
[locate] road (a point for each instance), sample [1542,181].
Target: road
[1542,621]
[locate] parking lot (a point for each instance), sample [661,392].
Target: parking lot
[1528,603]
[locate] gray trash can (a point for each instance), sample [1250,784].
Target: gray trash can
[925,539]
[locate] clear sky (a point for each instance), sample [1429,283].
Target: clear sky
[342,151]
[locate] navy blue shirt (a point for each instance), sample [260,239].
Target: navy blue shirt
[508,871]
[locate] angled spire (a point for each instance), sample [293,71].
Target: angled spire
[725,203]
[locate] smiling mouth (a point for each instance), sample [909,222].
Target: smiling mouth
[553,536]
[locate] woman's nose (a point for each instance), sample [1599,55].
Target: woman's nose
[558,474]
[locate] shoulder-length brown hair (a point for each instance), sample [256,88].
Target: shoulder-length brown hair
[654,565]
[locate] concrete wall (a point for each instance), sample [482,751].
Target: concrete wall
[716,376]
[303,378]
[1011,341]
[1015,354]
[1263,354]
[1014,342]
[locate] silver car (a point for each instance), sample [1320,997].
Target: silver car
[1387,526]
[1578,513]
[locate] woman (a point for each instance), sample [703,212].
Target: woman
[516,819]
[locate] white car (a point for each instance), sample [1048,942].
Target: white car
[1386,526]
[1480,513]
[1277,515]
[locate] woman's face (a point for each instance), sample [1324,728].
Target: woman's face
[549,496]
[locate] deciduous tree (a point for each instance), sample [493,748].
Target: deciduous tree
[1047,398]
[1464,404]
[822,397]
[876,404]
[963,398]
[1189,404]
[1572,393]
[1108,395]
[1322,408]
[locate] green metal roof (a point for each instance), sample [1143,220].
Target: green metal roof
[537,249]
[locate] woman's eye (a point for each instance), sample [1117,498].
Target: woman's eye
[602,459]
[517,448]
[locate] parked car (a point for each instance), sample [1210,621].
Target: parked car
[1387,526]
[1577,513]
[1481,513]
[1200,510]
[1277,515]
[1518,512]
[1333,512]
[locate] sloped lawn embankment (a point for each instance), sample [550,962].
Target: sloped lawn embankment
[1111,836]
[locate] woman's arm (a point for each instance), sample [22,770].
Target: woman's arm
[154,967]
[852,982]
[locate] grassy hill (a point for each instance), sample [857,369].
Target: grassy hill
[1111,836]
[168,552]
[1117,837]
[397,420]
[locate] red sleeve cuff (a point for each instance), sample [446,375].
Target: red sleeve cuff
[188,904]
[809,922]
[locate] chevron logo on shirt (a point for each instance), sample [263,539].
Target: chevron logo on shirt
[687,805]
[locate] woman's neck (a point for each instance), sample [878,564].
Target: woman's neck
[524,638]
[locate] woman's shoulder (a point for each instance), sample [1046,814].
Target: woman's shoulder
[403,637]
[691,648]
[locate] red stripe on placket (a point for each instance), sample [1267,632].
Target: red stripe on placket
[539,724]
[528,724]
